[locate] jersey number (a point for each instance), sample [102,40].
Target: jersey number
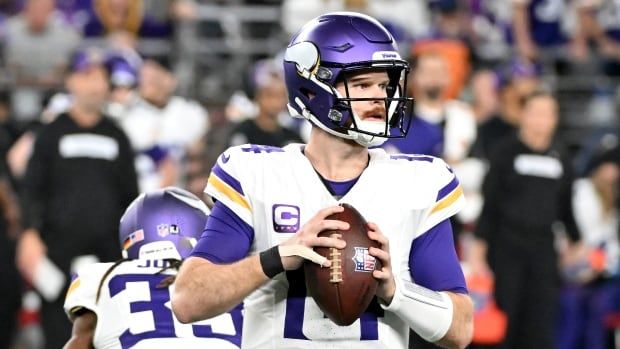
[151,315]
[298,310]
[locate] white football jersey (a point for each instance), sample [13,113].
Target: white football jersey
[276,190]
[134,311]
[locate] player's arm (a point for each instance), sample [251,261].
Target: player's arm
[204,289]
[461,329]
[212,282]
[436,305]
[83,331]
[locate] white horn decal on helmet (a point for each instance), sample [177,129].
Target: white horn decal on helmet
[306,57]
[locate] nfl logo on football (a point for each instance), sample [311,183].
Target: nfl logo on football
[363,260]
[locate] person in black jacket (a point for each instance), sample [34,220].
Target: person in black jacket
[79,180]
[527,189]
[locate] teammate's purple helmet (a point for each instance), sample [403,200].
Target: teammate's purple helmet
[162,224]
[337,43]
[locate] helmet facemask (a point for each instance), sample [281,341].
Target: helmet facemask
[396,108]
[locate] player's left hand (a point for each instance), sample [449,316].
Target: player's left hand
[387,285]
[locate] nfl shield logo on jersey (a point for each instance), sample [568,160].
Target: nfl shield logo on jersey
[163,230]
[363,260]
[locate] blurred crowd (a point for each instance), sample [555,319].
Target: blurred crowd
[520,97]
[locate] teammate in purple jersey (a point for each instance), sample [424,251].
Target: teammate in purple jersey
[126,304]
[344,75]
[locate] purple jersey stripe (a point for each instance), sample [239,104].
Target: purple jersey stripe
[433,262]
[226,238]
[226,178]
[447,189]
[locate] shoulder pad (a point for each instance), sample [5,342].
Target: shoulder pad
[449,197]
[82,292]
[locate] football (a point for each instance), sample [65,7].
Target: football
[344,290]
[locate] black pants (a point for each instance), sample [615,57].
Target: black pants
[526,287]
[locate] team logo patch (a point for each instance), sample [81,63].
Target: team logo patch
[163,230]
[174,229]
[363,260]
[285,218]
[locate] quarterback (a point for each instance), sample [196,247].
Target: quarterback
[127,304]
[343,74]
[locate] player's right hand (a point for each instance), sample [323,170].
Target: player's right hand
[307,236]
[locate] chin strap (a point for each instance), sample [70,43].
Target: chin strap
[367,140]
[362,139]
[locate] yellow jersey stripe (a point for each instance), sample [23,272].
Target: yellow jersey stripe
[75,284]
[231,193]
[448,200]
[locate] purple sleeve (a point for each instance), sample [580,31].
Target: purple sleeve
[433,262]
[226,238]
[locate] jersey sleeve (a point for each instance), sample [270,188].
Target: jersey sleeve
[448,196]
[226,238]
[82,292]
[226,183]
[433,262]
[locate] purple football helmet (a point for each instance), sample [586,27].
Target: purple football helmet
[162,224]
[321,54]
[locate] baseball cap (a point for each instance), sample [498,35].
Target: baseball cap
[518,69]
[87,58]
[123,72]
